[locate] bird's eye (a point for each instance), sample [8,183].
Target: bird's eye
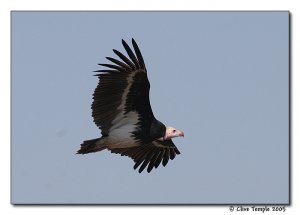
[174,131]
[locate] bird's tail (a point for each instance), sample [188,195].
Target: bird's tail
[93,145]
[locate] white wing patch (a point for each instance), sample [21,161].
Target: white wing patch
[120,133]
[120,117]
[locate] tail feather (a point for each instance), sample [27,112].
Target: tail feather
[89,146]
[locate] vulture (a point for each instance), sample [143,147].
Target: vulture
[121,109]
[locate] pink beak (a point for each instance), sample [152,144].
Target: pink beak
[181,134]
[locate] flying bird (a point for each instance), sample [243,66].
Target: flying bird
[121,109]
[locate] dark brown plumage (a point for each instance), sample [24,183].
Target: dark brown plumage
[121,109]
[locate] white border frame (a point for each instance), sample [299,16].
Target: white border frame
[7,6]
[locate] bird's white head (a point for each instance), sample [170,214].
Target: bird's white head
[172,132]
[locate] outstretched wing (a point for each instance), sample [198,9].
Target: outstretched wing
[122,95]
[150,155]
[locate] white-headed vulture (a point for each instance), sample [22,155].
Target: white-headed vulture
[121,109]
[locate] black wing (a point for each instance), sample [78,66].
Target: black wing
[150,155]
[122,95]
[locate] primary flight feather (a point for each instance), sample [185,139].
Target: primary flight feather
[121,109]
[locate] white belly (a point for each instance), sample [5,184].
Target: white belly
[121,137]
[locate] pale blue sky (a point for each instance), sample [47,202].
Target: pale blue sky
[221,77]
